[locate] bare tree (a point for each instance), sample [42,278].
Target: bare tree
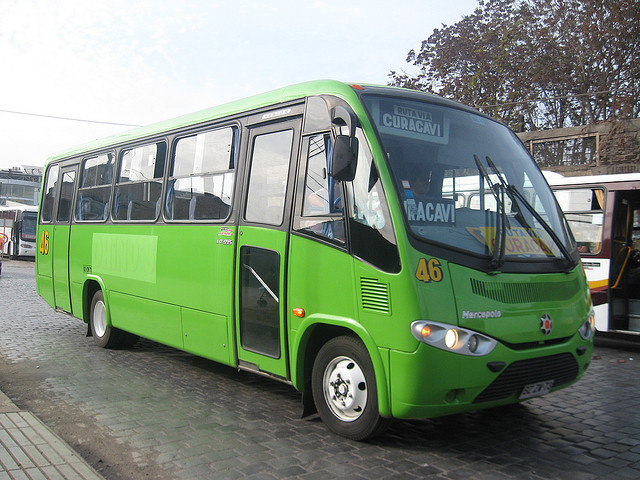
[537,63]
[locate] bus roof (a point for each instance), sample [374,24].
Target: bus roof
[281,95]
[19,206]
[556,179]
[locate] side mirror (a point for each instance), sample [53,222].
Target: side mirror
[344,158]
[345,151]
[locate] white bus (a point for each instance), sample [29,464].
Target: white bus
[18,227]
[604,214]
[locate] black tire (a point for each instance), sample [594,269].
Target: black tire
[344,389]
[103,334]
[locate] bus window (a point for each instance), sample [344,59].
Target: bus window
[49,194]
[583,208]
[29,225]
[201,177]
[635,230]
[66,196]
[489,202]
[94,192]
[137,194]
[372,236]
[268,177]
[322,212]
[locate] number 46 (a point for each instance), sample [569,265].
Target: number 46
[44,243]
[430,271]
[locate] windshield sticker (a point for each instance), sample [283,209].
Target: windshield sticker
[415,121]
[441,212]
[518,240]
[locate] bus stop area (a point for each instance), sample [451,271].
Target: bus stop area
[157,413]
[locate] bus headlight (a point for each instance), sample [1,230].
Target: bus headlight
[452,339]
[588,328]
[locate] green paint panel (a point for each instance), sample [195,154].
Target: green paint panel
[206,335]
[154,320]
[124,255]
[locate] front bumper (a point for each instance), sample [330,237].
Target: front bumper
[430,382]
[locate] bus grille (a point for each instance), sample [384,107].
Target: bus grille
[375,295]
[561,368]
[525,292]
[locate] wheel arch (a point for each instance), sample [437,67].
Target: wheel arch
[314,335]
[91,286]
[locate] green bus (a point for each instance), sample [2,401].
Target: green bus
[319,235]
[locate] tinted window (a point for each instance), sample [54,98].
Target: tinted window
[49,194]
[201,178]
[322,212]
[66,196]
[94,193]
[139,187]
[584,210]
[268,177]
[439,155]
[372,236]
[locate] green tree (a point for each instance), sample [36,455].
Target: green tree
[536,63]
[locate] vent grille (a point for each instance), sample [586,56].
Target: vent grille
[525,292]
[562,368]
[375,295]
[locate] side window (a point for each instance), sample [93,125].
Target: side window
[584,210]
[268,177]
[201,177]
[139,185]
[49,194]
[95,188]
[372,236]
[322,212]
[66,196]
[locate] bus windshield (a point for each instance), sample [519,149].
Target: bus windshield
[467,183]
[29,224]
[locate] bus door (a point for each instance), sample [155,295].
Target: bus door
[625,262]
[60,240]
[262,246]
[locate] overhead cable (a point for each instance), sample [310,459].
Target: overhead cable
[68,118]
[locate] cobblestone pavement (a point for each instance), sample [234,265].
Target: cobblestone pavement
[153,412]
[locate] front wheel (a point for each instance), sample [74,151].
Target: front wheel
[344,389]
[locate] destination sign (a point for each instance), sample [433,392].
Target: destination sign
[414,120]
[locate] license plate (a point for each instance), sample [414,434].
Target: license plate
[536,389]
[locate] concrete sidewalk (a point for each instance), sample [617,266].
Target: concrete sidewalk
[29,450]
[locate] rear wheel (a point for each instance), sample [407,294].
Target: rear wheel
[105,335]
[344,389]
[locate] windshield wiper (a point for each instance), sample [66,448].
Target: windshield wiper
[515,195]
[498,254]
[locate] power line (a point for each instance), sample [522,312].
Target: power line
[67,118]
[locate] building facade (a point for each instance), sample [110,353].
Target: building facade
[20,184]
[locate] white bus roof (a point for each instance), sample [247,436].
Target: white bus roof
[555,179]
[19,206]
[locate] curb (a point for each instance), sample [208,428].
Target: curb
[29,449]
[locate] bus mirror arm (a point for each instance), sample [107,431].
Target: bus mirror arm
[345,151]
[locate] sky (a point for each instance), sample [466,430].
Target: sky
[137,62]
